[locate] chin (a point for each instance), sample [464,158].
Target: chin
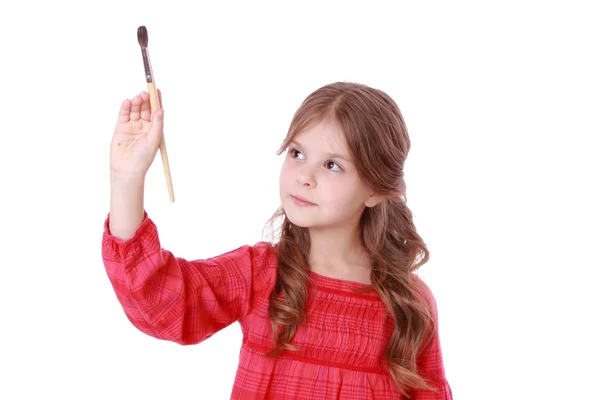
[297,217]
[299,222]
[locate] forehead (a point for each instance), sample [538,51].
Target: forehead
[326,136]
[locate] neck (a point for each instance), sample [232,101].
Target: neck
[338,253]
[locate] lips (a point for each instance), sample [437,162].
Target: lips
[303,199]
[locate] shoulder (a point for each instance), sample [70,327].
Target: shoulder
[264,254]
[428,305]
[258,253]
[422,288]
[425,295]
[257,260]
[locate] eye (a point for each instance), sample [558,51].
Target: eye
[330,165]
[294,153]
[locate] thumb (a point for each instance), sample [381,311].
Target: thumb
[155,131]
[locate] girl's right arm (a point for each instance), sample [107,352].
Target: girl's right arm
[126,204]
[162,295]
[183,301]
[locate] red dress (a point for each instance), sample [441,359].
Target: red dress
[341,344]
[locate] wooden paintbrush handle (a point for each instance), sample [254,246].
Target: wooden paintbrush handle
[154,105]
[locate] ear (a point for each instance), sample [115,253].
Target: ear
[373,200]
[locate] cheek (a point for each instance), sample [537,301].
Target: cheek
[335,193]
[284,176]
[343,195]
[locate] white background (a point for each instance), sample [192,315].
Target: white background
[501,100]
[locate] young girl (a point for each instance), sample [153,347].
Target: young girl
[332,310]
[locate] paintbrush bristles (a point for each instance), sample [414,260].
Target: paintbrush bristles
[142,34]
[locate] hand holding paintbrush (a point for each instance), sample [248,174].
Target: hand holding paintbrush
[138,136]
[155,103]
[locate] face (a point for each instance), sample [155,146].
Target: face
[318,169]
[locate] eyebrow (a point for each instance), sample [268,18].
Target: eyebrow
[329,155]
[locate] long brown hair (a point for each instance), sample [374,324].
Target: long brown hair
[378,142]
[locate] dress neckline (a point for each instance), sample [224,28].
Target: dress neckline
[341,286]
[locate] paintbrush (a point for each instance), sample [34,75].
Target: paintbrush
[142,35]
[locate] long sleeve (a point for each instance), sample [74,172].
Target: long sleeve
[430,361]
[182,301]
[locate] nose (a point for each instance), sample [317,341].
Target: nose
[306,177]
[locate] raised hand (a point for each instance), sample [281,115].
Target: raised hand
[137,136]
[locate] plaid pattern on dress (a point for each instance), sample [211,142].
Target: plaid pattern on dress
[340,345]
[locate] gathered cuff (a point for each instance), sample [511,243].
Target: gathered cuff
[145,236]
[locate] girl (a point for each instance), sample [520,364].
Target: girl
[332,310]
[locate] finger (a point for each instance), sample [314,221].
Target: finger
[124,111]
[156,128]
[159,98]
[136,104]
[146,110]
